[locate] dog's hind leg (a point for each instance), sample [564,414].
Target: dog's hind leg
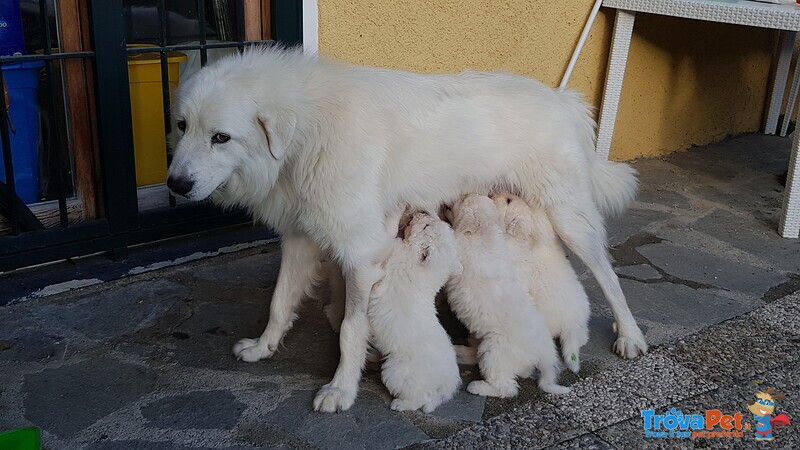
[300,264]
[582,230]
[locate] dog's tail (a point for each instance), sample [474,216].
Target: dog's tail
[614,184]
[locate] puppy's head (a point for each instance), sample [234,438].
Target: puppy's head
[433,243]
[517,216]
[230,130]
[473,214]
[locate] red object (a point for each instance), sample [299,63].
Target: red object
[781,419]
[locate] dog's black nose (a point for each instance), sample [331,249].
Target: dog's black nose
[180,185]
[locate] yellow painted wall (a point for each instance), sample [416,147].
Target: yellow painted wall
[688,82]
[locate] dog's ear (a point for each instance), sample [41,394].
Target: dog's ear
[278,129]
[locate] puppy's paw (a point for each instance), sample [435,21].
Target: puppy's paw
[573,365]
[332,399]
[249,350]
[404,405]
[631,345]
[554,388]
[485,389]
[429,407]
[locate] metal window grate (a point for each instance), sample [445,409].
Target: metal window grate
[19,216]
[119,222]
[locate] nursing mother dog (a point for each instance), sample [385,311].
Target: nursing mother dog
[323,152]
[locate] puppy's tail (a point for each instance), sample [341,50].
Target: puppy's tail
[614,184]
[548,379]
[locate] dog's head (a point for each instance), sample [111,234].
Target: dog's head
[433,243]
[473,214]
[230,130]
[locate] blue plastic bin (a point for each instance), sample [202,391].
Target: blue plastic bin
[22,81]
[12,39]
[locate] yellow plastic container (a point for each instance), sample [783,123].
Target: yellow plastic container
[147,112]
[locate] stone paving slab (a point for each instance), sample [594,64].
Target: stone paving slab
[741,347]
[534,426]
[620,393]
[707,270]
[148,359]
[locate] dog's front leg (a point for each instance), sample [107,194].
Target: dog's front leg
[340,393]
[300,264]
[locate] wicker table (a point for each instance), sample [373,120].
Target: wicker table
[740,12]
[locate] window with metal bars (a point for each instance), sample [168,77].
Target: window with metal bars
[84,123]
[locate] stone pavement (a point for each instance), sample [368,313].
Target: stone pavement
[145,363]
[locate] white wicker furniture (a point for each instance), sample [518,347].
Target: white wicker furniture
[740,12]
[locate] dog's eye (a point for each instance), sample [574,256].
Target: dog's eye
[508,202]
[220,138]
[182,125]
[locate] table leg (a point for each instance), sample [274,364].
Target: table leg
[789,226]
[787,116]
[779,84]
[623,29]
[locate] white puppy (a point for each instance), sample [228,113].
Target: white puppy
[420,369]
[492,302]
[544,269]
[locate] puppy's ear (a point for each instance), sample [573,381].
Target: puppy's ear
[278,129]
[512,227]
[378,289]
[469,223]
[423,257]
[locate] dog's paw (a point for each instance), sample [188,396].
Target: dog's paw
[332,399]
[485,389]
[630,346]
[249,350]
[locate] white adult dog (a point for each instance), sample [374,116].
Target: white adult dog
[420,368]
[490,299]
[545,271]
[323,152]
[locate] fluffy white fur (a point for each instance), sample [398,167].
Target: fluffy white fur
[544,269]
[490,300]
[420,368]
[323,152]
